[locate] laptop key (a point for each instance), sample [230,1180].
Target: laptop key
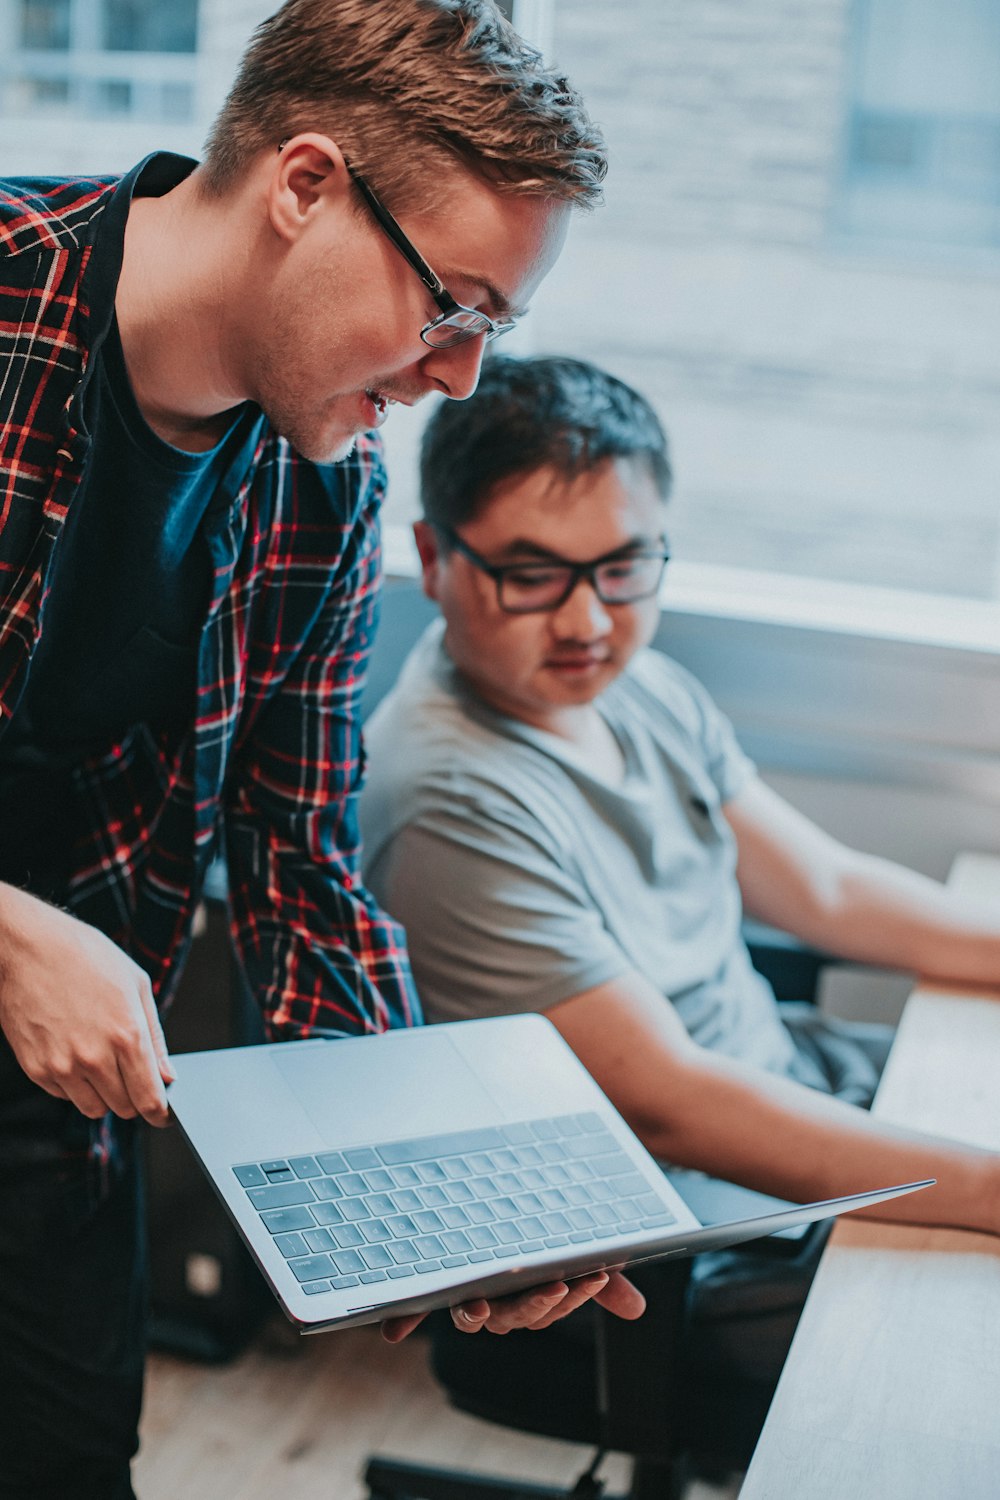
[580,1218]
[451,1261]
[310,1268]
[405,1200]
[581,1237]
[458,1192]
[360,1158]
[379,1204]
[517,1135]
[430,1246]
[250,1176]
[354,1208]
[569,1125]
[375,1230]
[657,1221]
[553,1241]
[368,1276]
[428,1265]
[649,1203]
[326,1213]
[454,1240]
[305,1166]
[348,1236]
[376,1257]
[481,1213]
[404,1176]
[428,1220]
[291,1245]
[431,1171]
[475,1256]
[433,1196]
[403,1253]
[274,1166]
[402,1226]
[347,1261]
[395,1272]
[482,1236]
[281,1195]
[319,1239]
[378,1181]
[351,1183]
[284,1220]
[591,1123]
[311,1288]
[325,1187]
[331,1162]
[430,1147]
[545,1130]
[341,1283]
[454,1217]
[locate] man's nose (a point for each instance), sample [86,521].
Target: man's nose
[455,371]
[582,616]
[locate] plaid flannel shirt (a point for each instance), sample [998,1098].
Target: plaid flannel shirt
[271,764]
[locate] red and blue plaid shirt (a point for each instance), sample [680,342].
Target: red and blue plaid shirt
[269,766]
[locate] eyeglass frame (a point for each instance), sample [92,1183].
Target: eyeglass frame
[493,328]
[577,572]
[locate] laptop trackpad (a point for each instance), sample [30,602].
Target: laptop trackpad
[357,1092]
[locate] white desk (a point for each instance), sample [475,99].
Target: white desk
[891,1390]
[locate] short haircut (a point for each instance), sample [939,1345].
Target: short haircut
[530,414]
[408,88]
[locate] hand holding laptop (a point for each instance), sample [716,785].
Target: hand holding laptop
[536,1309]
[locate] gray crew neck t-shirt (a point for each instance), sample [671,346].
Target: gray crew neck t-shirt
[524,878]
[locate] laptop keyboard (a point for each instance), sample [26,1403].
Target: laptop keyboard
[386,1212]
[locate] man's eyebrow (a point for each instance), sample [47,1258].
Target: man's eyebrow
[523,547]
[499,301]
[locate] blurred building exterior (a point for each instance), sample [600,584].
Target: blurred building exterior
[799,258]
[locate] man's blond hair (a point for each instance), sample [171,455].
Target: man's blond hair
[407,88]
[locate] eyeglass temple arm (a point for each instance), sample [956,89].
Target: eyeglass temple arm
[430,279]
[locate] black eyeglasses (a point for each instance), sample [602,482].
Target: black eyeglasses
[529,587]
[455,324]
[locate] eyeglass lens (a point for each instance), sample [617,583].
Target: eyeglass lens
[620,581]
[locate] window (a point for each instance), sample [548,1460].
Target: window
[833,406]
[96,60]
[923,141]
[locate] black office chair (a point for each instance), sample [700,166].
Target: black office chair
[638,1388]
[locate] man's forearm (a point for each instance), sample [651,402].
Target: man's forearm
[783,1138]
[885,914]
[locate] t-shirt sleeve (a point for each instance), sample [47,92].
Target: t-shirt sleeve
[494,924]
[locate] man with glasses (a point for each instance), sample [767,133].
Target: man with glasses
[192,360]
[563,822]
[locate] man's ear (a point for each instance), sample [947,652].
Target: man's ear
[429,548]
[310,174]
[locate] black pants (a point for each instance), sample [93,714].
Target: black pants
[72,1312]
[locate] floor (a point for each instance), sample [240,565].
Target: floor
[295,1418]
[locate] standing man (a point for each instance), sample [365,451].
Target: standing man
[191,361]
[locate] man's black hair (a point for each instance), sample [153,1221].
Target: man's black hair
[529,414]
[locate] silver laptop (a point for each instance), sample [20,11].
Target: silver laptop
[384,1175]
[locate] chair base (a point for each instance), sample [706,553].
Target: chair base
[388,1479]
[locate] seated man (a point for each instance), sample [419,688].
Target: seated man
[563,821]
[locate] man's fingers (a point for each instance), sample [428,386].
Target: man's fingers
[82,1094]
[621,1298]
[163,1065]
[396,1329]
[143,1085]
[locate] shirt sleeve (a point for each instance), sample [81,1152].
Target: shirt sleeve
[495,924]
[318,952]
